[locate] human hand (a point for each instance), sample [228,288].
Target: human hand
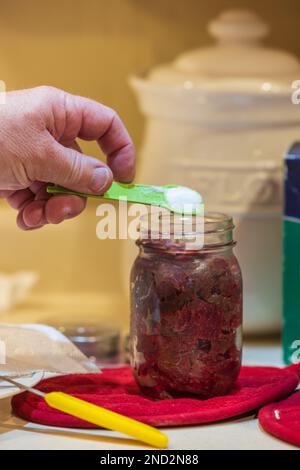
[38,132]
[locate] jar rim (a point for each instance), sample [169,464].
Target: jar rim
[209,230]
[212,221]
[217,221]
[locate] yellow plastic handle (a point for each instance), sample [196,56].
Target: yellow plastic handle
[106,419]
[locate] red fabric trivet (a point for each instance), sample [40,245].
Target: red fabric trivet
[282,419]
[116,390]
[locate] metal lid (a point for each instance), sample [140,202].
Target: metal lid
[95,341]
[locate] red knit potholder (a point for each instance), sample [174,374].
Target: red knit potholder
[116,390]
[282,419]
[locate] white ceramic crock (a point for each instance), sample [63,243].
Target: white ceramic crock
[219,120]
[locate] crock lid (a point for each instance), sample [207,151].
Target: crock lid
[236,62]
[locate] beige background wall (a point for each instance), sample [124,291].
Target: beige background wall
[90,47]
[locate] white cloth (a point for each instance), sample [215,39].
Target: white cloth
[29,348]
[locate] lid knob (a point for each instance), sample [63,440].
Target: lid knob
[238,26]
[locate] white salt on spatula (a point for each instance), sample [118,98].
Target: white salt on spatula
[178,199]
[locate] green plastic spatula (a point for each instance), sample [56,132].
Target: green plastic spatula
[178,199]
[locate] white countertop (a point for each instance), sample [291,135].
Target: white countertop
[243,433]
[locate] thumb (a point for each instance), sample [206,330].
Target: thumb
[70,168]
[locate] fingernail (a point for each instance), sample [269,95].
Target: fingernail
[100,179]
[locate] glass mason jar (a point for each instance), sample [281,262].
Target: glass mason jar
[186,313]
